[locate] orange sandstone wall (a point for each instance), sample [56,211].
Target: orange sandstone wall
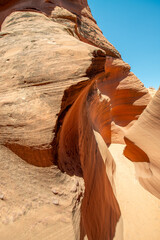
[144,136]
[59,86]
[78,152]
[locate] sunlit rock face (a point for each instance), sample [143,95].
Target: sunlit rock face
[67,98]
[39,64]
[143,145]
[72,13]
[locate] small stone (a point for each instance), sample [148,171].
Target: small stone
[73,188]
[77,183]
[61,193]
[55,201]
[55,191]
[1,196]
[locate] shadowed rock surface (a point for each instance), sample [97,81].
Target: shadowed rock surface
[68,99]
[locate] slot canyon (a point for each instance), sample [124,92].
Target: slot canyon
[79,132]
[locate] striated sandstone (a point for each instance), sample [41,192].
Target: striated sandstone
[67,98]
[97,109]
[144,136]
[77,11]
[50,60]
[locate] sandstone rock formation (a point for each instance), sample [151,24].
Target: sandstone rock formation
[51,60]
[29,209]
[67,99]
[143,145]
[75,14]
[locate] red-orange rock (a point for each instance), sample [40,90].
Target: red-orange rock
[31,91]
[65,97]
[99,106]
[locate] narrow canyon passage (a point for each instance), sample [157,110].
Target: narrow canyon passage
[79,132]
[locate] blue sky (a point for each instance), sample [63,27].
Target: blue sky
[133,27]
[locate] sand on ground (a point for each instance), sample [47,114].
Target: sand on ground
[139,208]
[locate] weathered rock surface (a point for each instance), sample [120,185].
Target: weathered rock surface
[75,14]
[113,98]
[49,61]
[67,98]
[29,209]
[138,206]
[143,146]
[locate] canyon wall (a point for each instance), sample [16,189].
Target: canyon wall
[66,97]
[143,145]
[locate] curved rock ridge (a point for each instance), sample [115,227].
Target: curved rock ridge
[75,14]
[126,96]
[99,110]
[144,136]
[116,99]
[31,91]
[77,143]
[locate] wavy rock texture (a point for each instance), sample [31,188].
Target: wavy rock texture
[97,109]
[143,143]
[67,98]
[31,91]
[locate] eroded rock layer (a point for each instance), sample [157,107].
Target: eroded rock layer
[97,109]
[144,136]
[74,14]
[37,202]
[49,61]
